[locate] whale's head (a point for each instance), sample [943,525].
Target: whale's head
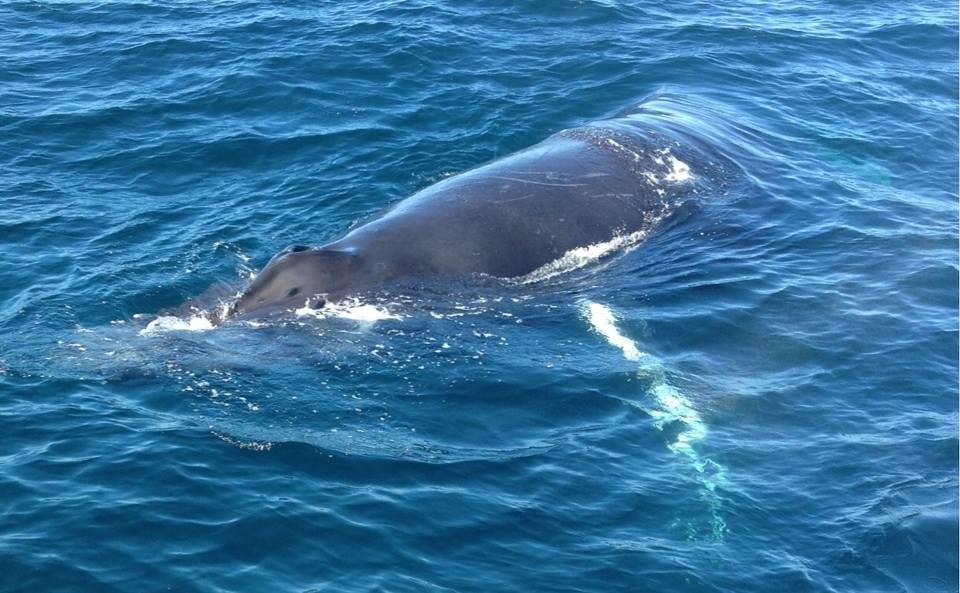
[296,277]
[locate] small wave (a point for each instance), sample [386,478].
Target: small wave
[249,445]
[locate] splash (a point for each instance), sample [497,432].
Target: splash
[204,320]
[168,323]
[352,309]
[679,170]
[670,407]
[198,320]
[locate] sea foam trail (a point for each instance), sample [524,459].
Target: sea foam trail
[353,310]
[670,406]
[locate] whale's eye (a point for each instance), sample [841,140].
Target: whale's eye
[293,292]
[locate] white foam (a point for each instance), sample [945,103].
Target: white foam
[622,148]
[581,256]
[200,320]
[679,170]
[351,309]
[242,443]
[167,323]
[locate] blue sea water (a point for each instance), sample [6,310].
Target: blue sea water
[760,396]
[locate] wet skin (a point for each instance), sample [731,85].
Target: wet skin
[505,219]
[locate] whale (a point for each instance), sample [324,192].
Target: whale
[607,181]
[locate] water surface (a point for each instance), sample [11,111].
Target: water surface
[761,395]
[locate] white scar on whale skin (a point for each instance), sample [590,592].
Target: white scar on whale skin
[537,182]
[671,407]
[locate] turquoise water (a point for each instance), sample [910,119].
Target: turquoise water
[760,396]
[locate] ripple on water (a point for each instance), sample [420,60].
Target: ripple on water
[758,394]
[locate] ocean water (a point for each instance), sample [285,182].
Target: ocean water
[760,395]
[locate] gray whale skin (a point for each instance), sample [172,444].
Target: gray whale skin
[505,219]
